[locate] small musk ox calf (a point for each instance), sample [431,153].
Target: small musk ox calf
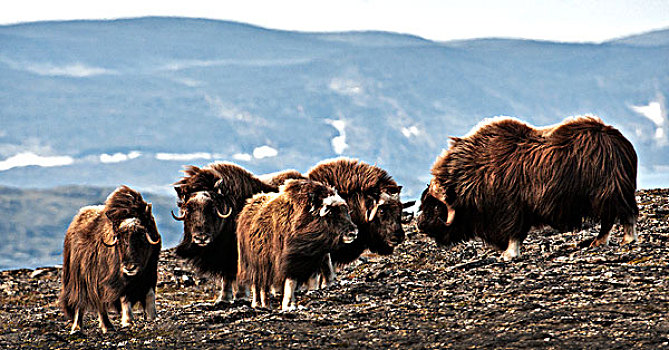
[110,260]
[284,237]
[374,200]
[507,177]
[209,199]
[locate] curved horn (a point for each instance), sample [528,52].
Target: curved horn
[372,213]
[224,216]
[113,243]
[178,218]
[439,192]
[148,238]
[451,215]
[384,198]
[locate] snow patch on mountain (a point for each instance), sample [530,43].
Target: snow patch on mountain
[28,158]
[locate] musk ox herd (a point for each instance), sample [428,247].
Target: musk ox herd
[274,233]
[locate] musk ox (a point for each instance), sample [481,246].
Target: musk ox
[506,177]
[110,260]
[209,199]
[280,177]
[284,237]
[374,200]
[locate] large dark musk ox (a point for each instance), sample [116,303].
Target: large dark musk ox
[507,177]
[209,199]
[284,237]
[110,260]
[374,200]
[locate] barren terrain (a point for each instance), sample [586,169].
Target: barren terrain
[557,295]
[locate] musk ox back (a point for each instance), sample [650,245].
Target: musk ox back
[209,199]
[279,178]
[374,200]
[507,177]
[110,259]
[284,237]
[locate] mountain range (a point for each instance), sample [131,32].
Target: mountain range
[131,101]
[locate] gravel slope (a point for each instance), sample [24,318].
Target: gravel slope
[557,295]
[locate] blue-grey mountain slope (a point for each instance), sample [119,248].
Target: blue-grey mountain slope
[161,89]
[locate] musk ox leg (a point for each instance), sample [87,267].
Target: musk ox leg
[239,291]
[329,274]
[314,282]
[630,233]
[273,291]
[150,313]
[512,251]
[103,320]
[288,303]
[254,296]
[126,312]
[264,300]
[226,295]
[326,276]
[76,322]
[603,236]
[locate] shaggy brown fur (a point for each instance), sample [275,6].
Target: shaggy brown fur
[209,242]
[507,177]
[362,186]
[98,274]
[284,237]
[279,178]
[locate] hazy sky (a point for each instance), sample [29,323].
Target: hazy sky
[560,20]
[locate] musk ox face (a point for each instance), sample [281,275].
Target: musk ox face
[385,221]
[433,217]
[203,216]
[135,239]
[335,212]
[386,224]
[323,210]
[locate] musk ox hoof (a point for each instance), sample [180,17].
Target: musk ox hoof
[225,303]
[291,308]
[76,332]
[599,243]
[508,257]
[627,241]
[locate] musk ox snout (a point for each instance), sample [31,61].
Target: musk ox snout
[432,218]
[350,235]
[397,237]
[130,269]
[201,239]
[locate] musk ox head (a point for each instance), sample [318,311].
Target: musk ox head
[384,216]
[134,234]
[325,209]
[204,213]
[433,220]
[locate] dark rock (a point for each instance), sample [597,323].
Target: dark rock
[557,295]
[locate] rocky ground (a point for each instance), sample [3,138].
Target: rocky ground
[557,295]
